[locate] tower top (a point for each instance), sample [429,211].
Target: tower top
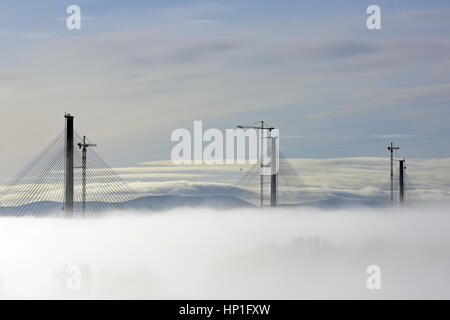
[392,147]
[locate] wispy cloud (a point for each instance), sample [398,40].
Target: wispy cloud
[203,22]
[345,49]
[292,137]
[338,178]
[399,136]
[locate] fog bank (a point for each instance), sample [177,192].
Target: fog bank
[238,254]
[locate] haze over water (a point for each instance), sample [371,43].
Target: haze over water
[233,254]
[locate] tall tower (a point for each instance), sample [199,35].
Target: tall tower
[83,146]
[401,190]
[274,166]
[68,199]
[392,148]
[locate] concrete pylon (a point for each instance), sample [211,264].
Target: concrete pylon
[68,199]
[402,181]
[274,166]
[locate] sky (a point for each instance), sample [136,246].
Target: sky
[137,70]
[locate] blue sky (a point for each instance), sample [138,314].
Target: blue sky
[140,69]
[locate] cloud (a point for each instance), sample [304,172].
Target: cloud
[398,136]
[239,254]
[203,50]
[346,49]
[292,137]
[332,182]
[337,178]
[203,22]
[183,188]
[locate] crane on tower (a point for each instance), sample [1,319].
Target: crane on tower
[83,146]
[263,128]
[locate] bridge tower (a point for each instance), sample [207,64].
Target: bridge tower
[274,166]
[265,133]
[68,199]
[402,169]
[391,149]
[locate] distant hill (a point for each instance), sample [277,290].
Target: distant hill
[347,199]
[152,203]
[168,202]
